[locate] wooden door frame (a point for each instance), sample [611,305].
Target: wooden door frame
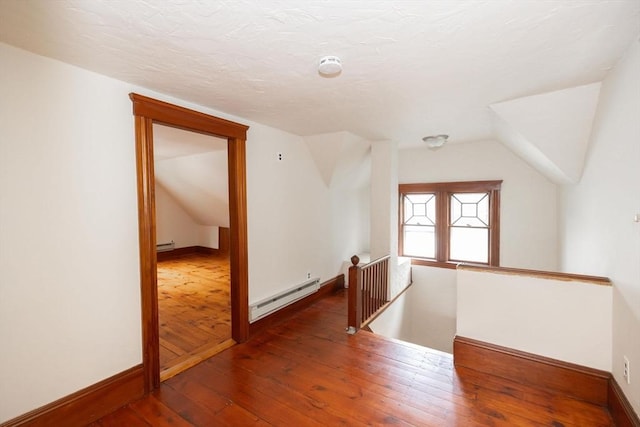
[147,111]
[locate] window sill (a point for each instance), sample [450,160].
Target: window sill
[441,264]
[431,263]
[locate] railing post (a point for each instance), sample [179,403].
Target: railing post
[355,296]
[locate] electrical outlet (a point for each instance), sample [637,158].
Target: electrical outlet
[626,373]
[279,156]
[308,275]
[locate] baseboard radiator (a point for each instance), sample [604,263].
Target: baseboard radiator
[165,247]
[276,302]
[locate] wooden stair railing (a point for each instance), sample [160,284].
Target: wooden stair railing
[368,291]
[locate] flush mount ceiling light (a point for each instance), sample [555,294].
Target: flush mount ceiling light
[330,66]
[435,141]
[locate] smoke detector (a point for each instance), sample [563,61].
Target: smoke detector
[330,66]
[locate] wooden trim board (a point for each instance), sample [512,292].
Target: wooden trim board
[573,380]
[191,359]
[620,408]
[326,288]
[148,111]
[180,252]
[591,385]
[567,277]
[86,405]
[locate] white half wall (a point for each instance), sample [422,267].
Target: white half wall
[598,233]
[561,319]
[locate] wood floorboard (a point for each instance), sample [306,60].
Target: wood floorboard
[265,394]
[362,380]
[204,411]
[338,354]
[319,385]
[124,417]
[194,309]
[307,371]
[158,414]
[413,389]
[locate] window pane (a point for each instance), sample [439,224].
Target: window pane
[470,209]
[420,209]
[469,244]
[419,241]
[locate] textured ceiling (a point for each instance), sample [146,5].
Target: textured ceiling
[411,68]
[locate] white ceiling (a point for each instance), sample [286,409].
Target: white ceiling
[169,143]
[411,68]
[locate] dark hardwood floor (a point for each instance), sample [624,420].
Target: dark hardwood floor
[307,371]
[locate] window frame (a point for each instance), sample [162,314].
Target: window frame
[443,191]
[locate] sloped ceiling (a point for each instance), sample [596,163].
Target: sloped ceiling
[411,68]
[342,158]
[550,131]
[192,168]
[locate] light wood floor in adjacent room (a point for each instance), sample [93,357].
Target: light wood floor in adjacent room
[194,310]
[307,371]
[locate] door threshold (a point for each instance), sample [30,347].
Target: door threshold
[190,360]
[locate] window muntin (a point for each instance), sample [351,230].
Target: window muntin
[447,223]
[420,209]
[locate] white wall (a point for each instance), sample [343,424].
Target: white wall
[350,209]
[383,215]
[566,320]
[69,283]
[395,320]
[425,314]
[174,223]
[288,214]
[200,183]
[69,262]
[343,161]
[598,233]
[297,224]
[433,307]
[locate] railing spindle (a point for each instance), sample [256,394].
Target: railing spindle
[368,290]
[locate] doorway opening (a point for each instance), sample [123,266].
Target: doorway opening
[192,235]
[147,112]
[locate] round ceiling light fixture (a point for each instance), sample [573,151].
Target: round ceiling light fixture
[435,141]
[330,66]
